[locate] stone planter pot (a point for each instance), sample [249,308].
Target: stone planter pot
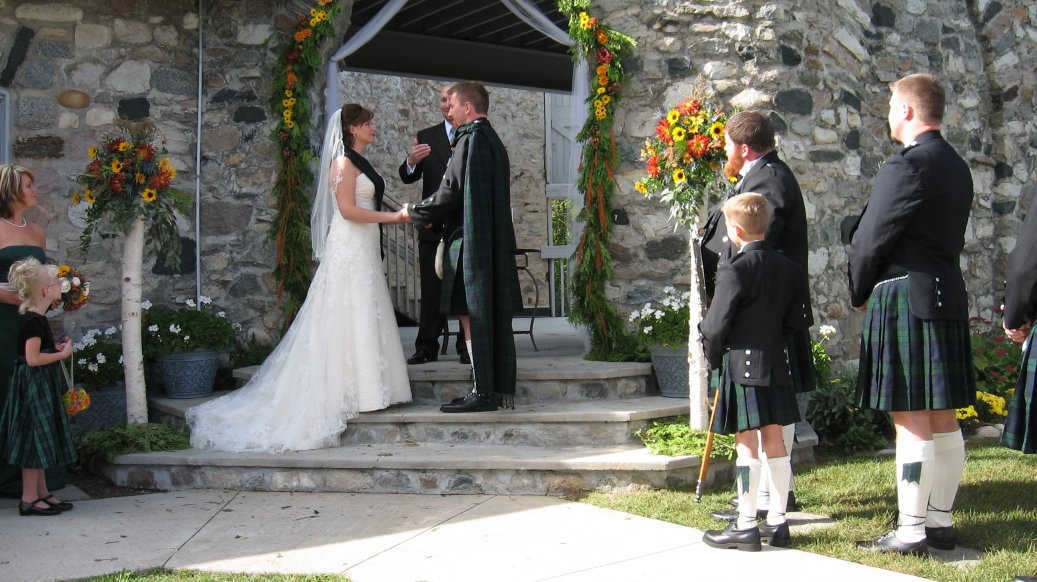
[107,408]
[188,374]
[671,370]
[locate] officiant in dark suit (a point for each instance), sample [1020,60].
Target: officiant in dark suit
[429,154]
[752,158]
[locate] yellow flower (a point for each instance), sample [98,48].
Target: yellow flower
[75,202]
[92,152]
[606,98]
[124,146]
[324,2]
[139,178]
[149,195]
[640,187]
[598,103]
[678,133]
[117,165]
[716,130]
[288,93]
[600,90]
[673,116]
[89,197]
[679,177]
[64,270]
[289,124]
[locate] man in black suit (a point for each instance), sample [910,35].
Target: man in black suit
[905,274]
[427,162]
[753,159]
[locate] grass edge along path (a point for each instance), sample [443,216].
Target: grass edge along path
[995,512]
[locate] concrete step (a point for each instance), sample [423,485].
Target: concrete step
[540,379]
[550,424]
[416,468]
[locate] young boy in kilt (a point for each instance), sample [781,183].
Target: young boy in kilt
[761,298]
[905,274]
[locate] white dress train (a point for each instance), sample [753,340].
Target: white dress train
[341,356]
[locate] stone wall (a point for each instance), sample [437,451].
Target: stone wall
[820,67]
[140,58]
[822,70]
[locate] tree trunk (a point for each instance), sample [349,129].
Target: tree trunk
[132,350]
[698,368]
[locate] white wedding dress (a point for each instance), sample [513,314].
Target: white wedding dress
[341,356]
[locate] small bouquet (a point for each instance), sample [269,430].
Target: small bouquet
[76,400]
[75,288]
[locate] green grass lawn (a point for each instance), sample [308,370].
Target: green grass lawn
[996,512]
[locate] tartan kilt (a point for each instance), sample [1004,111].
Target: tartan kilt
[801,362]
[908,363]
[742,407]
[35,429]
[1021,425]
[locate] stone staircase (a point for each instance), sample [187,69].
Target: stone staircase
[572,430]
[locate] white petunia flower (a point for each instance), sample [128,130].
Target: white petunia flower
[145,304]
[111,331]
[204,300]
[120,359]
[222,314]
[101,358]
[659,314]
[92,367]
[187,338]
[81,362]
[648,329]
[189,303]
[174,328]
[153,327]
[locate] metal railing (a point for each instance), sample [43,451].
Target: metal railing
[400,248]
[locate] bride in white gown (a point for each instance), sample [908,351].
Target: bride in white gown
[342,355]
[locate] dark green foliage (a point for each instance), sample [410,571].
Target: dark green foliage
[839,423]
[110,442]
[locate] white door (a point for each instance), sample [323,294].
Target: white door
[564,201]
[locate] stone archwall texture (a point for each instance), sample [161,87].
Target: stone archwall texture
[141,57]
[821,67]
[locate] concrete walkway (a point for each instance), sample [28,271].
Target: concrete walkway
[383,538]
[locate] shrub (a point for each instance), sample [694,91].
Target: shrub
[674,437]
[666,324]
[185,329]
[995,357]
[97,359]
[838,421]
[109,442]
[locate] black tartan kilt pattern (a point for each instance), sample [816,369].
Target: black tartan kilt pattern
[742,407]
[1021,425]
[909,363]
[35,429]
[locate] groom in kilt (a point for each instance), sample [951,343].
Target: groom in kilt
[480,279]
[904,274]
[760,302]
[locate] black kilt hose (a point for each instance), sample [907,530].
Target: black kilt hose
[741,407]
[1021,425]
[910,364]
[35,429]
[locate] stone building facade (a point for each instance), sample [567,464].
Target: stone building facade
[820,67]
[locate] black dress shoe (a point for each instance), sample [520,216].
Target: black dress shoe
[777,534]
[465,358]
[474,402]
[27,509]
[941,538]
[746,540]
[732,514]
[1025,579]
[420,358]
[53,501]
[890,543]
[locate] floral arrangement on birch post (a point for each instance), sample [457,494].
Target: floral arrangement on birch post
[128,187]
[294,74]
[683,165]
[604,49]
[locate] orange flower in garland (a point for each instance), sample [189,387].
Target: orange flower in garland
[683,159]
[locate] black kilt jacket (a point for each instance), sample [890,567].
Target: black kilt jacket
[430,170]
[1021,284]
[914,224]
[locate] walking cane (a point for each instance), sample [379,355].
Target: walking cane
[708,450]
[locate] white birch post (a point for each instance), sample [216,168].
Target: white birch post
[132,349]
[698,368]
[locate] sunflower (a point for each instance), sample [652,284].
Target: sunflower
[149,195]
[679,177]
[139,178]
[116,166]
[89,197]
[678,133]
[92,152]
[716,131]
[124,146]
[64,270]
[640,187]
[673,116]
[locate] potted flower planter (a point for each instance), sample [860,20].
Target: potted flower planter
[107,408]
[671,370]
[188,374]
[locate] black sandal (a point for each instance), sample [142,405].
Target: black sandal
[27,509]
[62,505]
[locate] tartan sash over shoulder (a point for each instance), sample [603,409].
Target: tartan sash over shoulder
[488,259]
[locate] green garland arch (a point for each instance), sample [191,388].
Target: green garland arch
[604,48]
[297,66]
